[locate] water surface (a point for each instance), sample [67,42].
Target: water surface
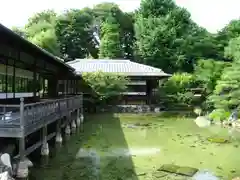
[115,147]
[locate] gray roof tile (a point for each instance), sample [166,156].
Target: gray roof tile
[126,67]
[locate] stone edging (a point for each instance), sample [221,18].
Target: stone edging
[130,109]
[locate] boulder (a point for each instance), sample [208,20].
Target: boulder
[236,178]
[202,121]
[5,176]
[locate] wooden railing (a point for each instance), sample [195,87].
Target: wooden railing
[30,117]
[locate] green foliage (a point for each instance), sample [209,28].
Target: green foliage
[232,51]
[208,71]
[110,46]
[178,88]
[156,7]
[46,40]
[40,30]
[226,95]
[47,16]
[167,38]
[19,31]
[219,115]
[75,33]
[107,86]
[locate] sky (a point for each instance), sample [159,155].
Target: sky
[211,14]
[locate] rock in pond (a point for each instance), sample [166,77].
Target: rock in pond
[202,121]
[181,170]
[204,175]
[5,176]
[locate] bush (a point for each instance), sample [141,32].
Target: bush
[107,86]
[177,89]
[219,115]
[207,73]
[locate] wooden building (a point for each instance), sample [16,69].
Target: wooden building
[143,79]
[37,89]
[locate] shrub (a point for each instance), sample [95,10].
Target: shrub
[177,89]
[219,115]
[107,86]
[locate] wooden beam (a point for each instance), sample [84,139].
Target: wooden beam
[6,78]
[35,78]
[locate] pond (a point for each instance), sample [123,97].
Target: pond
[134,147]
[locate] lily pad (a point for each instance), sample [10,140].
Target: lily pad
[217,140]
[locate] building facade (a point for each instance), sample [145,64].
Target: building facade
[143,79]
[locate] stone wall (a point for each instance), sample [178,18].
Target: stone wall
[130,109]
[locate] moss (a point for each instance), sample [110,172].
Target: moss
[171,168]
[217,140]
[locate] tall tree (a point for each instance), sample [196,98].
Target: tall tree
[110,46]
[167,38]
[40,30]
[156,8]
[125,21]
[75,34]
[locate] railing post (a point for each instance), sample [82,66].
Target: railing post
[4,114]
[22,170]
[22,125]
[58,128]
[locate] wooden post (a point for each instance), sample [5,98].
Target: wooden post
[45,148]
[22,170]
[35,78]
[59,134]
[22,124]
[78,118]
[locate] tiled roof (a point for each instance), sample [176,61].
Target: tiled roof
[126,67]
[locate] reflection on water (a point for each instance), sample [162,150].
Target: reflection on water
[204,175]
[116,152]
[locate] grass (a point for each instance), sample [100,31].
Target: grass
[180,140]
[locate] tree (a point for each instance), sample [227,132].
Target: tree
[110,46]
[46,40]
[76,35]
[230,31]
[232,51]
[208,71]
[164,36]
[156,8]
[19,31]
[48,16]
[107,86]
[40,30]
[167,38]
[106,10]
[177,90]
[226,95]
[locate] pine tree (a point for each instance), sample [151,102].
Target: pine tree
[226,96]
